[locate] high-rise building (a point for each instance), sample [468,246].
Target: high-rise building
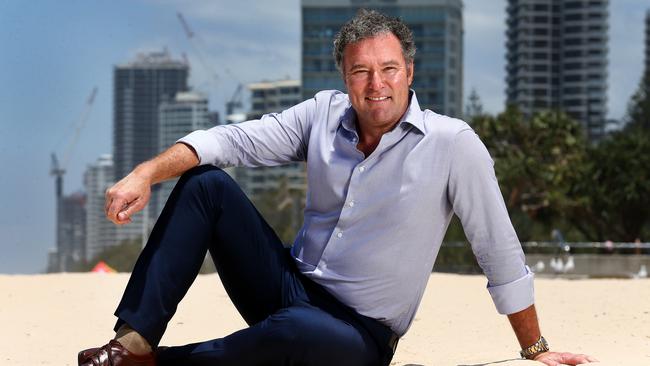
[100,232]
[267,97]
[139,88]
[71,232]
[557,59]
[437,27]
[186,113]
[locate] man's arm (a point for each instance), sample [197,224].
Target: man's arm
[526,328]
[132,193]
[476,198]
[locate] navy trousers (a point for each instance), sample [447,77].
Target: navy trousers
[292,320]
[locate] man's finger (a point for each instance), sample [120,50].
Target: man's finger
[574,359]
[107,204]
[131,209]
[116,206]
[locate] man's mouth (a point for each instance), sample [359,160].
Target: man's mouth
[377,99]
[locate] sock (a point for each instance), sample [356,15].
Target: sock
[132,340]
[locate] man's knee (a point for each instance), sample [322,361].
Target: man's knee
[206,176]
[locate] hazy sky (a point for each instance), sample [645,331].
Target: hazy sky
[52,53]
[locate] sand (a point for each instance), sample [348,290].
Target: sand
[47,319]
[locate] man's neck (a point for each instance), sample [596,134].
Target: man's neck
[369,138]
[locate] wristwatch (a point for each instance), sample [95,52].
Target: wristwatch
[538,347]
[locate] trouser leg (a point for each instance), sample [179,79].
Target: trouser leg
[299,335]
[207,211]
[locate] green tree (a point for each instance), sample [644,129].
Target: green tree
[639,107]
[474,106]
[536,161]
[615,185]
[121,257]
[614,189]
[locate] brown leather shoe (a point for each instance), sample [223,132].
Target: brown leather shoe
[113,354]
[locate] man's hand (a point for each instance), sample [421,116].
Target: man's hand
[127,197]
[132,193]
[563,358]
[526,327]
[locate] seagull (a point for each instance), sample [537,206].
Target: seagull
[569,265]
[557,264]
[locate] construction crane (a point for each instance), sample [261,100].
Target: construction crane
[194,40]
[235,101]
[58,169]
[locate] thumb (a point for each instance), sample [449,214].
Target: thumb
[130,210]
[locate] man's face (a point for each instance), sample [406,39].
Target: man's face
[377,78]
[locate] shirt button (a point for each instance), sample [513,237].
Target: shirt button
[351,204]
[362,168]
[339,235]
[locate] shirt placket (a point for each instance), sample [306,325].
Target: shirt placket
[351,205]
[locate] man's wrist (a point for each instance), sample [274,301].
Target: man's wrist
[145,171]
[535,349]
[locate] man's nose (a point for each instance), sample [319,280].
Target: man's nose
[376,80]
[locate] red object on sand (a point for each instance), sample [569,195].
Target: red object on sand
[102,267]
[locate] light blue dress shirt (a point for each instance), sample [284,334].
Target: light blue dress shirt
[374,225]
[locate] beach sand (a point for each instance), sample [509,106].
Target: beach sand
[47,319]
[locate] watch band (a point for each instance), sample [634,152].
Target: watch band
[536,348]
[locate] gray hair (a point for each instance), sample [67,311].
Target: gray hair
[368,24]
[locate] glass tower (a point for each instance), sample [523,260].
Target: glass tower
[138,89]
[186,113]
[557,59]
[437,27]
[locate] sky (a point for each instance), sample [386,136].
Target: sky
[53,53]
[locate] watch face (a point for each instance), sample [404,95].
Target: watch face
[544,343]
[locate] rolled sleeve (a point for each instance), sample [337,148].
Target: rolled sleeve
[476,198]
[274,139]
[514,296]
[203,142]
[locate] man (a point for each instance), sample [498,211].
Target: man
[384,179]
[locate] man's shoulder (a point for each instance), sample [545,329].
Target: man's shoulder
[332,97]
[442,125]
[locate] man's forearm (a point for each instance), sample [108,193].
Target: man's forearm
[526,326]
[171,163]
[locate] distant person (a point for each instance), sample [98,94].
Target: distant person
[384,179]
[637,246]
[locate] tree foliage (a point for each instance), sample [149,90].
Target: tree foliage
[639,107]
[535,162]
[615,183]
[614,189]
[551,176]
[121,257]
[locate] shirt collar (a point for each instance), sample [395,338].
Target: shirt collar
[413,116]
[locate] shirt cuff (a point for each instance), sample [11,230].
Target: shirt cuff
[514,296]
[203,142]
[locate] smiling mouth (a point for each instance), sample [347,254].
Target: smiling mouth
[377,99]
